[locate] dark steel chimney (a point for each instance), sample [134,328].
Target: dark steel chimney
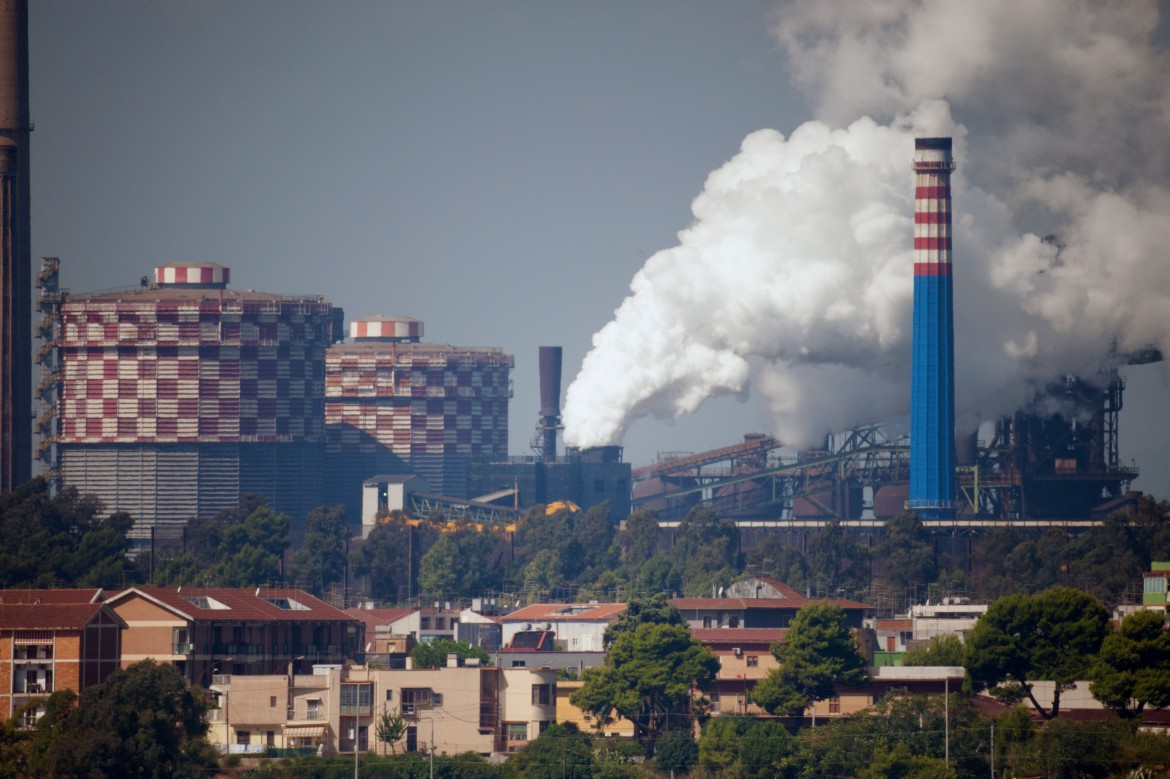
[15,250]
[550,403]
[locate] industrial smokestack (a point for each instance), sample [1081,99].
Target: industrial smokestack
[15,250]
[932,398]
[550,403]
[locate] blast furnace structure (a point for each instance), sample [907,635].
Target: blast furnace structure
[178,397]
[395,404]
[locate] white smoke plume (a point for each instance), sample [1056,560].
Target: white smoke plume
[796,273]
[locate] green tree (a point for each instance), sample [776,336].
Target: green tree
[676,751]
[1052,636]
[904,734]
[143,721]
[439,568]
[774,558]
[390,728]
[639,539]
[942,650]
[840,565]
[647,678]
[658,575]
[907,553]
[818,654]
[1132,670]
[381,560]
[706,550]
[560,751]
[433,654]
[745,747]
[62,541]
[641,611]
[242,546]
[320,561]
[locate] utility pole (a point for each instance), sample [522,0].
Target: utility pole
[947,720]
[993,750]
[432,747]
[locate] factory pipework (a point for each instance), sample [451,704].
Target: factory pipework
[15,250]
[932,398]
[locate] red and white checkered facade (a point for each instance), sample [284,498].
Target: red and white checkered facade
[160,367]
[400,329]
[192,273]
[414,399]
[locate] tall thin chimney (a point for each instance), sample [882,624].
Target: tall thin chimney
[932,398]
[15,250]
[550,403]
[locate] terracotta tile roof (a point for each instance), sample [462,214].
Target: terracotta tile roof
[52,596]
[894,624]
[765,636]
[740,604]
[48,616]
[373,618]
[197,603]
[554,612]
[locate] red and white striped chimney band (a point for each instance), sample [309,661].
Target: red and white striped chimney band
[386,328]
[192,274]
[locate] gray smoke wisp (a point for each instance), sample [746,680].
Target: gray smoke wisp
[796,273]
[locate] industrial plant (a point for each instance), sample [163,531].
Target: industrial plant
[173,398]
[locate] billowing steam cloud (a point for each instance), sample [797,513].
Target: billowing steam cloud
[797,271]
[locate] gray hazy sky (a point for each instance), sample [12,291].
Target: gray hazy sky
[498,170]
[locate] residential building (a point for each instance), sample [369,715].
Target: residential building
[579,627]
[953,616]
[205,632]
[758,603]
[892,638]
[457,708]
[54,640]
[745,657]
[567,712]
[1154,589]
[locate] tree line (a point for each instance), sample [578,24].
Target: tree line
[63,540]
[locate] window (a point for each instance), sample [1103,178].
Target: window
[517,731]
[270,738]
[753,661]
[835,704]
[733,622]
[599,486]
[412,739]
[414,697]
[357,698]
[424,623]
[707,622]
[272,701]
[541,694]
[389,695]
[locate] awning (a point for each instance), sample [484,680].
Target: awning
[304,731]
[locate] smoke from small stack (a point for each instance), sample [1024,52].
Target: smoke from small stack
[797,272]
